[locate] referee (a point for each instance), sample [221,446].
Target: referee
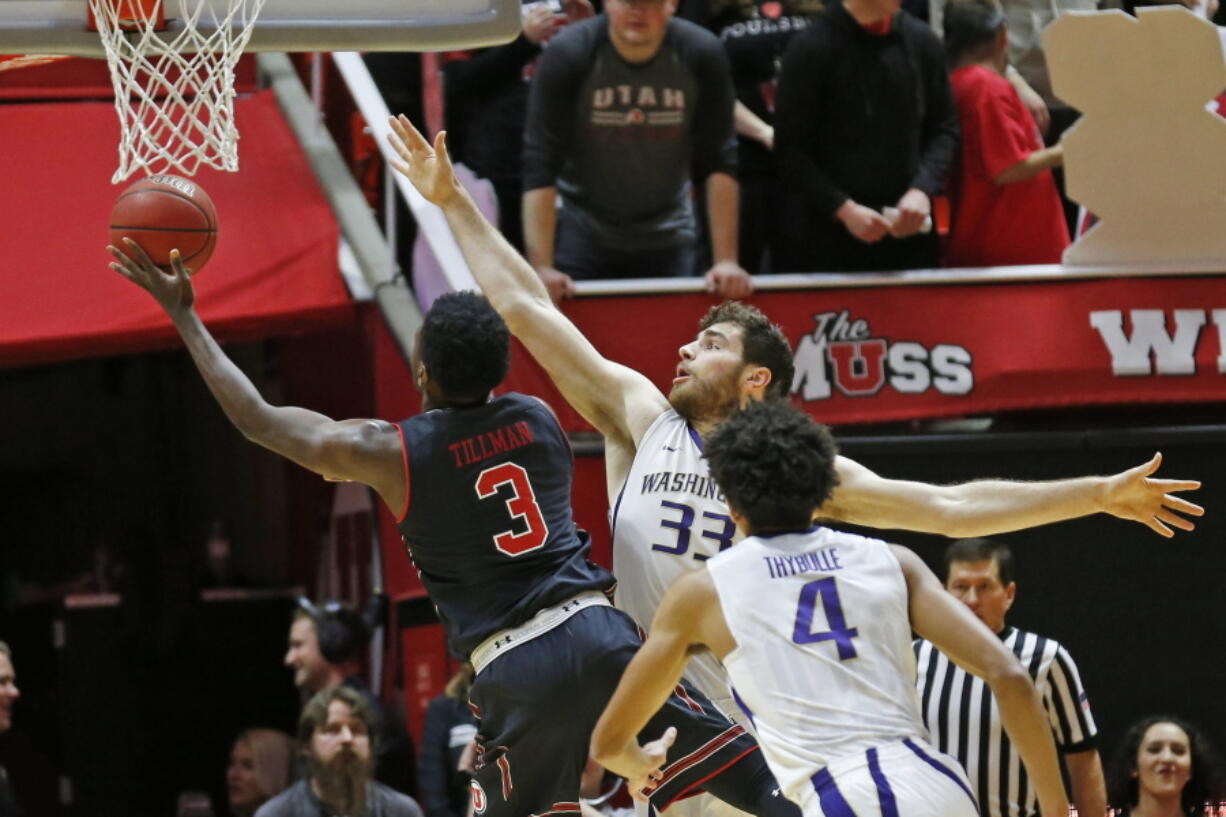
[961,713]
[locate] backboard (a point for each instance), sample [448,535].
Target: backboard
[59,26]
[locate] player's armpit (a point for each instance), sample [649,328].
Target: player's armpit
[365,451]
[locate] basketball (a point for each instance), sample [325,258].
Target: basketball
[163,213]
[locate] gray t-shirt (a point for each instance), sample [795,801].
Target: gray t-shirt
[622,141]
[299,801]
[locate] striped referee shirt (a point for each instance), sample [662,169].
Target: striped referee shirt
[963,719]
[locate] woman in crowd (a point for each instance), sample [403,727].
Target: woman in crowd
[1164,768]
[261,765]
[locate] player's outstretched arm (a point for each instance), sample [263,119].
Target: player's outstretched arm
[620,402]
[689,617]
[950,625]
[367,451]
[988,507]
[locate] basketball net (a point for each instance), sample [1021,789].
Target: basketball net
[174,97]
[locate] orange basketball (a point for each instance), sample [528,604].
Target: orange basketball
[163,213]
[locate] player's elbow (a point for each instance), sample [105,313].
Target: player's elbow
[1007,677]
[950,516]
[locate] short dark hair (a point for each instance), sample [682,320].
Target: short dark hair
[4,650]
[1204,786]
[315,714]
[774,464]
[980,550]
[465,346]
[763,343]
[971,26]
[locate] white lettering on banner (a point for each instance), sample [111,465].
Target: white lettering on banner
[1219,318]
[1151,346]
[841,353]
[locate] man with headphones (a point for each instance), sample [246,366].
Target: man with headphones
[325,652]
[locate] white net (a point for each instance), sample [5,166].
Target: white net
[174,90]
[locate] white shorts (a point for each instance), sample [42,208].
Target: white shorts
[902,779]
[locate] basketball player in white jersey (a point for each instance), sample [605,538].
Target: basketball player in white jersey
[814,627]
[667,517]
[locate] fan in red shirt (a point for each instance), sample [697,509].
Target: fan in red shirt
[1005,206]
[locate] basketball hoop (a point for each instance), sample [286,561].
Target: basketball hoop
[174,95]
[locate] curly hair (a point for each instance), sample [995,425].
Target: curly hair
[774,464]
[762,342]
[465,346]
[1205,785]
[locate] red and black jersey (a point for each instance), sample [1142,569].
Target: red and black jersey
[488,516]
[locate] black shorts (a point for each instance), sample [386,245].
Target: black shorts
[538,704]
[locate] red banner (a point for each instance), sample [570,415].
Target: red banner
[903,352]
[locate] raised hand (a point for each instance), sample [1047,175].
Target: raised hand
[427,167]
[1134,495]
[172,290]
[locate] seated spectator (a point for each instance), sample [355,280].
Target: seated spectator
[1006,209]
[9,693]
[261,765]
[625,109]
[450,727]
[325,650]
[865,121]
[335,736]
[1165,768]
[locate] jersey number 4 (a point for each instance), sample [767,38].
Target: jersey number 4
[827,592]
[521,505]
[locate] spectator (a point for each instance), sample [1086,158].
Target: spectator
[865,121]
[325,648]
[755,34]
[487,102]
[1165,768]
[624,109]
[261,766]
[962,713]
[335,733]
[450,727]
[1006,209]
[9,693]
[1027,70]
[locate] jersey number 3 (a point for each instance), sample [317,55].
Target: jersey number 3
[521,505]
[827,592]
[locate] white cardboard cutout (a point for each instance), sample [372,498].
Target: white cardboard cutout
[1146,157]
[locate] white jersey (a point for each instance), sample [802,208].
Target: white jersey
[669,519]
[823,664]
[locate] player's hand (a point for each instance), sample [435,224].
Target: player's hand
[427,167]
[559,284]
[913,208]
[728,279]
[864,223]
[1134,495]
[539,24]
[642,781]
[172,290]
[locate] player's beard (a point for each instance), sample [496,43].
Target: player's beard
[707,400]
[343,782]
